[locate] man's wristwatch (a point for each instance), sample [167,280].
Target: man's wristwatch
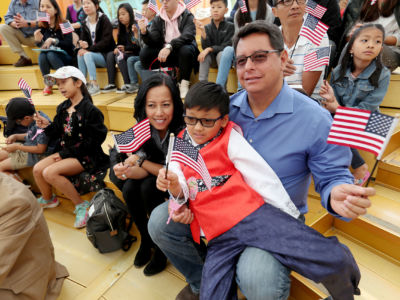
[168,46]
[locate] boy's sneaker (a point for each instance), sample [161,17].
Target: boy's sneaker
[94,89]
[123,89]
[132,88]
[53,202]
[81,214]
[109,88]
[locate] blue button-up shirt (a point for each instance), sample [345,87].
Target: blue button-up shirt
[28,11]
[291,136]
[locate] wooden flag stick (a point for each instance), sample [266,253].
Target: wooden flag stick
[170,147]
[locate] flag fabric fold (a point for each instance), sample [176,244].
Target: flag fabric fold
[43,17]
[132,139]
[313,29]
[184,152]
[26,89]
[153,6]
[242,5]
[361,129]
[191,3]
[315,9]
[316,59]
[66,27]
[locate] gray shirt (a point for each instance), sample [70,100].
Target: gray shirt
[28,10]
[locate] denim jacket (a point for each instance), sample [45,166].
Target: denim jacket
[28,11]
[358,92]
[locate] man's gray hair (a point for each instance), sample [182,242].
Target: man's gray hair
[261,26]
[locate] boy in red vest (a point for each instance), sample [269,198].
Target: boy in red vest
[243,203]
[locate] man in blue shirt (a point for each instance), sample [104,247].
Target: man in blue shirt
[19,28]
[289,130]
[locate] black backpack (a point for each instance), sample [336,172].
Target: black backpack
[106,226]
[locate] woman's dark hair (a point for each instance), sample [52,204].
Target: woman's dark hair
[84,90]
[207,95]
[58,16]
[347,60]
[97,3]
[122,27]
[370,13]
[155,80]
[243,18]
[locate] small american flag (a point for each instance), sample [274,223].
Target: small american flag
[66,28]
[242,5]
[313,29]
[316,59]
[191,3]
[119,56]
[186,153]
[43,17]
[138,15]
[373,2]
[26,89]
[153,6]
[315,9]
[361,129]
[132,139]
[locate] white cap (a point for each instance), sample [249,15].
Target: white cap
[65,72]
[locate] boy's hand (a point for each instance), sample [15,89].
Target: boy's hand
[11,148]
[182,215]
[170,183]
[11,139]
[203,54]
[199,25]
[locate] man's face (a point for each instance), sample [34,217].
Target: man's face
[260,75]
[290,12]
[148,13]
[170,5]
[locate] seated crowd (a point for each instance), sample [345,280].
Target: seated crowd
[262,170]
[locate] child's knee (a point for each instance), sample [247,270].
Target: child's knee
[49,174]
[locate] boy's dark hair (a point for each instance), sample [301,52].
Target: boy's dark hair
[208,95]
[224,1]
[145,2]
[347,59]
[155,80]
[260,26]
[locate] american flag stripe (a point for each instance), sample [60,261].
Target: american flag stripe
[316,59]
[350,128]
[191,3]
[313,29]
[43,17]
[153,6]
[26,89]
[242,5]
[315,9]
[132,139]
[66,28]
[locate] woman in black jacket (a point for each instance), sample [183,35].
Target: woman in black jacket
[127,46]
[95,42]
[57,48]
[158,100]
[171,40]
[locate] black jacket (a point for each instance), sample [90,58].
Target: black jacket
[155,36]
[64,40]
[104,40]
[132,46]
[86,137]
[218,38]
[332,19]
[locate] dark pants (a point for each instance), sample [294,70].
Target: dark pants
[53,60]
[294,244]
[122,65]
[184,58]
[141,197]
[356,161]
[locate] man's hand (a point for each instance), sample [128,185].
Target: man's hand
[182,215]
[351,201]
[163,54]
[290,69]
[142,26]
[20,21]
[11,148]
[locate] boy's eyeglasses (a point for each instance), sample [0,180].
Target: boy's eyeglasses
[257,57]
[290,2]
[203,121]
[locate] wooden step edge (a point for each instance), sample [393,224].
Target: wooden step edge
[303,289]
[388,179]
[377,238]
[323,223]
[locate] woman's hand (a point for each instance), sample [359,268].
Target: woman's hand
[38,36]
[355,27]
[121,48]
[120,171]
[47,43]
[83,44]
[82,52]
[163,54]
[131,160]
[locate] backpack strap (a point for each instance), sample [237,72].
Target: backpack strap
[128,241]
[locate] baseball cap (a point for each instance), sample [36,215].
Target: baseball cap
[63,73]
[18,108]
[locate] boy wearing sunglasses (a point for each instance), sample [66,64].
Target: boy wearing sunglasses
[246,205]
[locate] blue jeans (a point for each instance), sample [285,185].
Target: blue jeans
[225,64]
[131,68]
[89,61]
[259,275]
[53,60]
[144,73]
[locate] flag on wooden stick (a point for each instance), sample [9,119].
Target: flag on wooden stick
[132,139]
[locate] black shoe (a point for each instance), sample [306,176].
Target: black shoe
[157,264]
[23,62]
[143,256]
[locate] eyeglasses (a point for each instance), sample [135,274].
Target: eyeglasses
[290,2]
[257,57]
[203,121]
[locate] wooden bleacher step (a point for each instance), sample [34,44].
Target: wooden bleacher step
[389,170]
[7,57]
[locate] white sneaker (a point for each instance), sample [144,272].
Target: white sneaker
[184,88]
[94,89]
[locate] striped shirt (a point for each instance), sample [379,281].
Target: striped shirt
[304,47]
